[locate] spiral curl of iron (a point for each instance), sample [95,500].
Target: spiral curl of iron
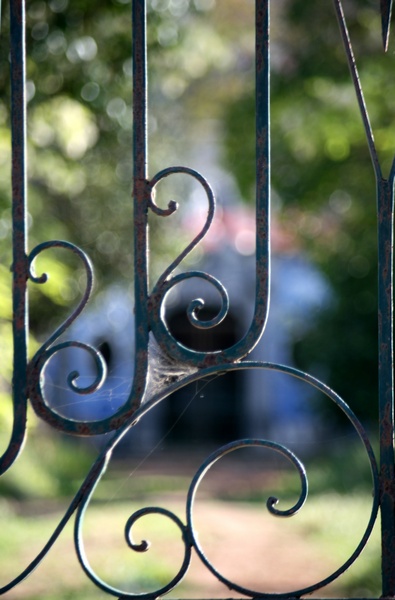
[167,281]
[49,348]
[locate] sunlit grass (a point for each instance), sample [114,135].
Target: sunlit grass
[237,533]
[60,576]
[224,530]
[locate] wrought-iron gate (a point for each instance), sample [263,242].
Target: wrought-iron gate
[150,319]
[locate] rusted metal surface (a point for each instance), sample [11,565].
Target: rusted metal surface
[385,212]
[150,321]
[19,213]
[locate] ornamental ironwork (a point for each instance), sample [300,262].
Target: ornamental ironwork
[151,324]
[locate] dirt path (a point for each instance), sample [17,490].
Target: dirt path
[245,543]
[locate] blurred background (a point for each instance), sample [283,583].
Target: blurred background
[201,114]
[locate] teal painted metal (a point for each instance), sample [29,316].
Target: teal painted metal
[149,319]
[385,212]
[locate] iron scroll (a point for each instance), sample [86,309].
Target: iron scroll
[150,321]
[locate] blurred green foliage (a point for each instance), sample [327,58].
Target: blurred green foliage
[50,468]
[201,61]
[323,178]
[201,67]
[79,92]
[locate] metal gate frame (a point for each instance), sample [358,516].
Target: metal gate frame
[149,320]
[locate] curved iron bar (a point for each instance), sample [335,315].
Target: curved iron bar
[43,278]
[211,363]
[85,493]
[194,307]
[373,466]
[166,282]
[244,346]
[272,501]
[338,401]
[172,207]
[270,504]
[94,474]
[48,349]
[142,547]
[143,193]
[142,200]
[188,537]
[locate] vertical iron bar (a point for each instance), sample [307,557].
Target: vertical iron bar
[19,209]
[139,26]
[140,193]
[385,206]
[385,197]
[262,125]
